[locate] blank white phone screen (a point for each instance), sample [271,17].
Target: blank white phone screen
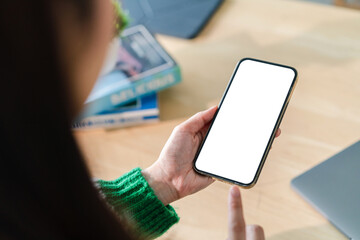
[246,119]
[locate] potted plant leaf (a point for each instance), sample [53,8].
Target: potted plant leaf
[120,22]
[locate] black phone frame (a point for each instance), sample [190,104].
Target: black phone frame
[271,139]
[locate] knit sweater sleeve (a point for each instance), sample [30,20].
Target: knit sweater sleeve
[131,195]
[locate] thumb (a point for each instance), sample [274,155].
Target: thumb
[199,120]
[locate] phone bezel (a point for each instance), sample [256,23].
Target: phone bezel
[271,139]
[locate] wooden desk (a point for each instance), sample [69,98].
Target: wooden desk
[323,43]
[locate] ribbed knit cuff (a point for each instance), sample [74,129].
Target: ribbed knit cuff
[131,195]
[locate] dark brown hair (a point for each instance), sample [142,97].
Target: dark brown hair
[45,188]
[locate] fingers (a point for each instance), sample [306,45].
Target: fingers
[254,232]
[199,120]
[237,227]
[278,132]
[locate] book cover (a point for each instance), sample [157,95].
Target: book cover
[143,67]
[142,110]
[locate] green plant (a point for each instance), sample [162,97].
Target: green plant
[121,19]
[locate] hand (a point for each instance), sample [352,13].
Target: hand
[172,176]
[238,230]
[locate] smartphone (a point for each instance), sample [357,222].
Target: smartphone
[242,131]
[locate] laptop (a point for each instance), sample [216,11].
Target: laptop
[333,188]
[179,18]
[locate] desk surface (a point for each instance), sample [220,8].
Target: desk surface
[323,43]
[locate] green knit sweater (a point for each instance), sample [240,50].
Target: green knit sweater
[130,195]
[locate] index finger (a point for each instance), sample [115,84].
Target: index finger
[237,226]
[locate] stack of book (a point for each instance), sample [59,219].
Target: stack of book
[128,94]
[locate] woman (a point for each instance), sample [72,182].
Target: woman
[52,52]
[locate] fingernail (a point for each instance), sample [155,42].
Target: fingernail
[235,192]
